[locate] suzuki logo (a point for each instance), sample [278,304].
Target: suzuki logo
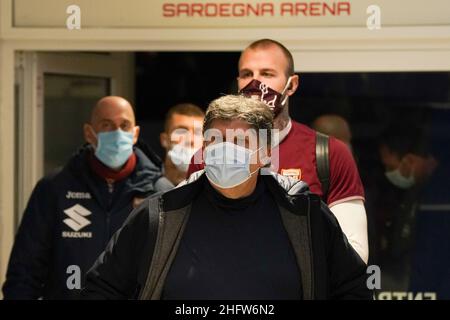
[77,220]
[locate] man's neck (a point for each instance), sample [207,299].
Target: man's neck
[172,173]
[109,174]
[241,191]
[282,120]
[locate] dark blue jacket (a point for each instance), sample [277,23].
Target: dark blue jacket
[69,219]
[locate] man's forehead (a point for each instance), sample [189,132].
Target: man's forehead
[388,153]
[120,117]
[269,57]
[185,121]
[183,118]
[234,128]
[235,124]
[113,114]
[111,107]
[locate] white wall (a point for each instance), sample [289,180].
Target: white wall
[150,14]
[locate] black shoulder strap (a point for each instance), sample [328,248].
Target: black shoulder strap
[153,206]
[153,222]
[323,162]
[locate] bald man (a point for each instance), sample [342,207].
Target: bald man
[73,212]
[335,126]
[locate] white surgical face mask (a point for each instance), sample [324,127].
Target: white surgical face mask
[227,165]
[398,180]
[181,156]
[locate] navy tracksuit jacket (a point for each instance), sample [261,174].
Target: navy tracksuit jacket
[69,219]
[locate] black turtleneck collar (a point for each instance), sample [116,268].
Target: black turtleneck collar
[219,200]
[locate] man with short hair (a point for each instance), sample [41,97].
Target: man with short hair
[335,126]
[73,212]
[414,217]
[231,232]
[181,138]
[266,72]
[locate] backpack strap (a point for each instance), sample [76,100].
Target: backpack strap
[153,205]
[323,162]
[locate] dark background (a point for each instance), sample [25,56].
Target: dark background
[369,101]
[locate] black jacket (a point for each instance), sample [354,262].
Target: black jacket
[69,219]
[138,257]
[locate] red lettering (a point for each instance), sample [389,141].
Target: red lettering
[286,8]
[196,8]
[301,7]
[239,10]
[183,8]
[267,7]
[168,10]
[224,9]
[251,9]
[331,10]
[344,7]
[314,9]
[211,13]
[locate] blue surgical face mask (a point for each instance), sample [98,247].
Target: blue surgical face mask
[398,180]
[114,147]
[227,165]
[181,156]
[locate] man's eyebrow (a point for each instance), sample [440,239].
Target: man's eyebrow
[181,127]
[106,120]
[268,69]
[126,121]
[244,70]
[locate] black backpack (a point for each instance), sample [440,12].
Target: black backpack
[323,162]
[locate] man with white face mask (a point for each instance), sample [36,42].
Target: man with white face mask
[231,232]
[181,138]
[266,72]
[409,168]
[73,212]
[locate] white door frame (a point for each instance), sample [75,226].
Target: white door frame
[32,66]
[314,49]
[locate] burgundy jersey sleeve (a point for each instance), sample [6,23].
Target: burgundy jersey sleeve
[345,182]
[196,164]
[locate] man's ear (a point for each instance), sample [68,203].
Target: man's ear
[205,144]
[293,85]
[89,135]
[408,158]
[407,164]
[164,140]
[137,130]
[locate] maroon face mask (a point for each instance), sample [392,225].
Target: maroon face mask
[276,101]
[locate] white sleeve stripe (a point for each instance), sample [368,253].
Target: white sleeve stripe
[352,218]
